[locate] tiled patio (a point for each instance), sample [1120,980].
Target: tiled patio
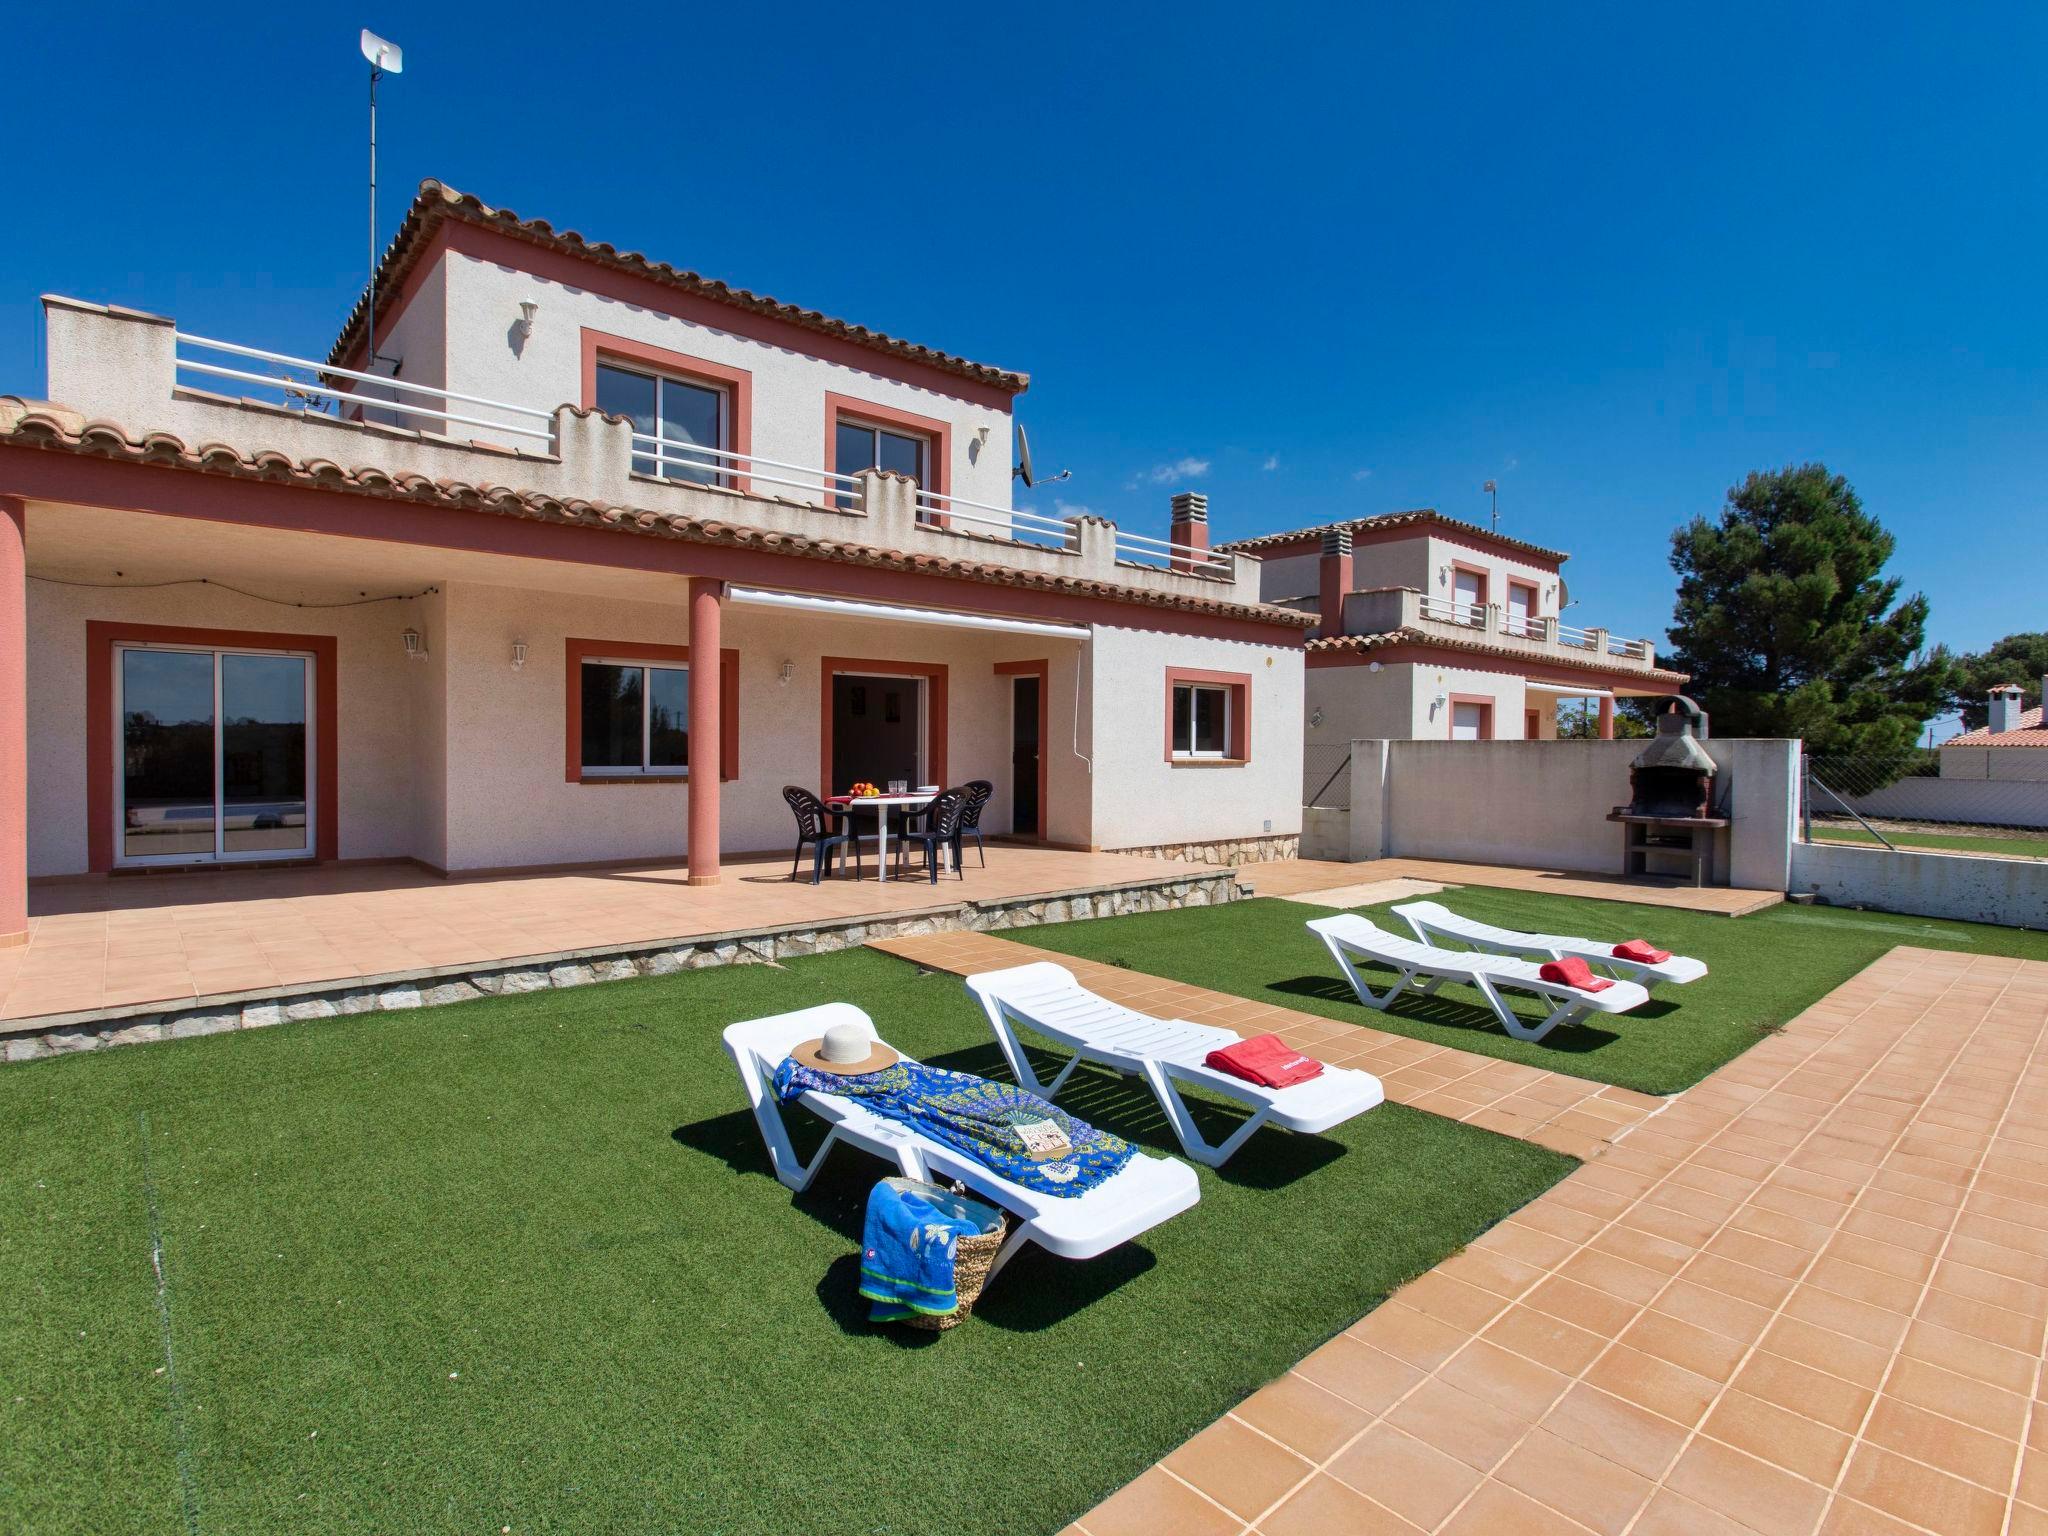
[1567,1114]
[1808,1297]
[1300,876]
[123,942]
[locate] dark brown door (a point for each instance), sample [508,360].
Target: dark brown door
[1025,750]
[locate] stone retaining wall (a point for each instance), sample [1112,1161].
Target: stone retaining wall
[24,1040]
[1230,852]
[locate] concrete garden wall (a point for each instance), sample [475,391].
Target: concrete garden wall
[2011,892]
[1544,804]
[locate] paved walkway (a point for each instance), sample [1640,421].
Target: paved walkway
[1807,1297]
[1296,876]
[1568,1114]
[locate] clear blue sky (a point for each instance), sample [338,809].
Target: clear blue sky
[1317,264]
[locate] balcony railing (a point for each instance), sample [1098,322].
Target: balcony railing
[302,385]
[694,464]
[1378,610]
[1445,610]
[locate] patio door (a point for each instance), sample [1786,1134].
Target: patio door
[1026,814]
[215,755]
[878,730]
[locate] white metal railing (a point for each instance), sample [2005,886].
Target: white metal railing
[404,399]
[699,465]
[1523,626]
[1573,635]
[1138,549]
[1635,650]
[1019,522]
[1447,610]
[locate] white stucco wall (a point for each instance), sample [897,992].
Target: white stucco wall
[2011,892]
[789,388]
[376,701]
[1140,798]
[511,803]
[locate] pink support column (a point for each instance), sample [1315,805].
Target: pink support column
[1607,718]
[707,600]
[13,721]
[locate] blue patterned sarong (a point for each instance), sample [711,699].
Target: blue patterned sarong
[974,1116]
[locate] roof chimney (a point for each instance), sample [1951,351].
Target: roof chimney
[1190,527]
[1335,579]
[2005,708]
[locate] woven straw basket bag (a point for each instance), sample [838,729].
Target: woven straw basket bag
[971,1256]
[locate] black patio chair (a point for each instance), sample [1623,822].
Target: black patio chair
[941,830]
[978,793]
[813,818]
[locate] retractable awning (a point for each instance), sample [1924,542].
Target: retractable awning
[1563,691]
[850,608]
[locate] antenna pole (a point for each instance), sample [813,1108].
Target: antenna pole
[370,358]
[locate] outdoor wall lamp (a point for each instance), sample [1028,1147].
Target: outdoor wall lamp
[1315,720]
[527,310]
[415,647]
[786,672]
[518,655]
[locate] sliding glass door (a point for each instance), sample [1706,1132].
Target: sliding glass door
[215,755]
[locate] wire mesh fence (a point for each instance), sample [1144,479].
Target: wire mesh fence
[1326,776]
[1933,799]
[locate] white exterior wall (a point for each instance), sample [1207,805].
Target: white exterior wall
[377,697]
[2012,892]
[1443,553]
[789,388]
[1140,798]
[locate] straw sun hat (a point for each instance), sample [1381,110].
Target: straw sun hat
[846,1050]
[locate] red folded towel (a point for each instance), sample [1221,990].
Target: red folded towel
[1642,951]
[1574,972]
[839,799]
[1267,1060]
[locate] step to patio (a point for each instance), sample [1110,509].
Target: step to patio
[1811,1296]
[1566,1114]
[339,989]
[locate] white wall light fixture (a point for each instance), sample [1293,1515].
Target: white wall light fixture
[518,655]
[528,309]
[785,672]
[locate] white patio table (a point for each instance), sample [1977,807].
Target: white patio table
[882,805]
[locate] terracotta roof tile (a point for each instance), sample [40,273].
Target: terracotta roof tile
[41,424]
[1417,515]
[2029,733]
[1405,636]
[437,202]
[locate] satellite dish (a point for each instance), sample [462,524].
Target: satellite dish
[1023,471]
[388,57]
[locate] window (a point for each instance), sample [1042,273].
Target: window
[857,446]
[1201,720]
[683,416]
[635,718]
[1522,616]
[1471,720]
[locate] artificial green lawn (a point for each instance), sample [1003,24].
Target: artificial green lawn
[520,1263]
[2015,847]
[1764,969]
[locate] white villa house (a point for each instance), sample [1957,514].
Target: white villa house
[583,563]
[1434,629]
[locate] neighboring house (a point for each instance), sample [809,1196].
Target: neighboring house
[599,556]
[1431,628]
[2006,749]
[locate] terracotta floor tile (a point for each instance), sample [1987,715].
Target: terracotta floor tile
[1651,1382]
[1420,1340]
[1416,1481]
[1597,1492]
[1699,1350]
[1921,1494]
[1327,1507]
[1646,1443]
[1765,1498]
[1360,1374]
[1509,1382]
[1238,1467]
[1820,1349]
[1671,1514]
[1497,1509]
[1545,1339]
[1153,1503]
[1955,1448]
[1958,1397]
[1458,1424]
[1779,1435]
[1308,1419]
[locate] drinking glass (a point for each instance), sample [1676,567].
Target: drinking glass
[898,786]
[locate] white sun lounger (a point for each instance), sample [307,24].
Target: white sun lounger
[1045,998]
[1140,1195]
[1347,934]
[1433,920]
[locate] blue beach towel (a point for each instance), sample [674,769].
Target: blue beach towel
[1014,1133]
[906,1261]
